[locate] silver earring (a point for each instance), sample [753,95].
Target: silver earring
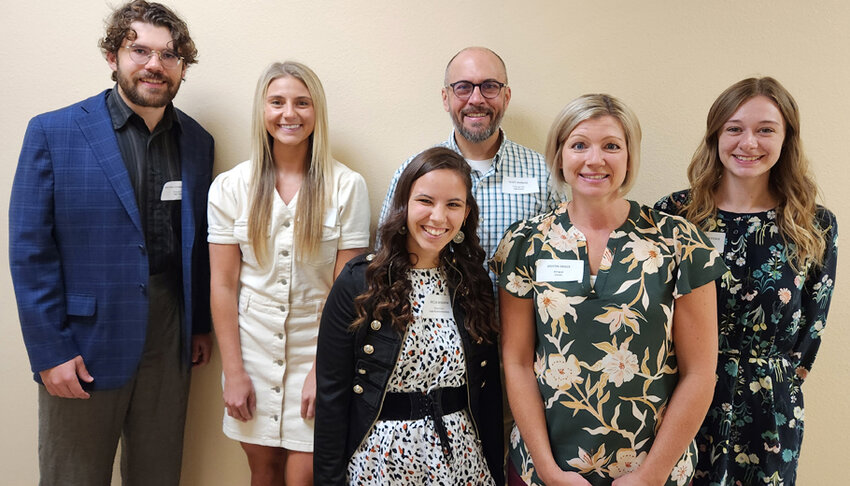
[402,230]
[459,237]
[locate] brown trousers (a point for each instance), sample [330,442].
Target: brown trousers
[77,439]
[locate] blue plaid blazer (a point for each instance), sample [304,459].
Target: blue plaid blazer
[76,249]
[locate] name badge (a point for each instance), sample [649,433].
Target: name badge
[560,270]
[437,306]
[718,239]
[520,185]
[172,191]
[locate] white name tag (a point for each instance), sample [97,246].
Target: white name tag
[172,191]
[437,306]
[520,185]
[560,270]
[718,239]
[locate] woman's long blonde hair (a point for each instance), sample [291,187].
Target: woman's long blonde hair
[790,182]
[312,194]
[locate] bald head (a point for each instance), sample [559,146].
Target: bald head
[480,56]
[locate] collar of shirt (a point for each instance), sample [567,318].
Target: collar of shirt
[497,159]
[121,113]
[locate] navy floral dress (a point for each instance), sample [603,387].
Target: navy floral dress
[771,319]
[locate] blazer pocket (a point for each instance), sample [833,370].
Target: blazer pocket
[82,305]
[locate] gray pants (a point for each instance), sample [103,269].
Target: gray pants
[77,439]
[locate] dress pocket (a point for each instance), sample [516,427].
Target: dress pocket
[326,251]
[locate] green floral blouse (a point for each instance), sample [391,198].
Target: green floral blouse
[605,360]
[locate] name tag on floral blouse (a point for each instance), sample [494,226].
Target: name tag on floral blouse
[437,307]
[560,270]
[520,185]
[718,239]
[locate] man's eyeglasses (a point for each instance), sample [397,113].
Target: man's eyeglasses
[489,89]
[141,55]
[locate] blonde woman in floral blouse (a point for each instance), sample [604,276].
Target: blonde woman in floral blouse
[608,319]
[752,191]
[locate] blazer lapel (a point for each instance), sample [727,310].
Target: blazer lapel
[188,172]
[96,126]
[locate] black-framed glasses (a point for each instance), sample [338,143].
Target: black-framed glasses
[489,89]
[141,55]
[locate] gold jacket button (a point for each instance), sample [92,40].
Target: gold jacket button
[376,325]
[370,257]
[368,349]
[484,363]
[358,389]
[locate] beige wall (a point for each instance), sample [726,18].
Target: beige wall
[381,63]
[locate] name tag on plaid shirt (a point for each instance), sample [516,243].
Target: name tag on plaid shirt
[520,185]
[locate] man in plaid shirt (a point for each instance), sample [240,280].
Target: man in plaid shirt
[510,182]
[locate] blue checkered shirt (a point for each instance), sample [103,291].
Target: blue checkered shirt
[499,210]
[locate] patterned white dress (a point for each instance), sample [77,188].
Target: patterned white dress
[400,452]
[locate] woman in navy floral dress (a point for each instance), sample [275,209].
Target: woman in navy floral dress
[752,192]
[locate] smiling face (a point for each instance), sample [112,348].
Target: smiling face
[289,114]
[150,85]
[477,118]
[595,158]
[750,142]
[436,211]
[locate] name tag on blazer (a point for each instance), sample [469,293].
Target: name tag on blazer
[172,191]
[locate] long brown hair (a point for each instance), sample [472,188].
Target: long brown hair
[790,180]
[387,296]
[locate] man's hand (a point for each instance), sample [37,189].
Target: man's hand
[201,349]
[64,380]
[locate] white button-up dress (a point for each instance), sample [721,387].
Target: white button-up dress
[280,304]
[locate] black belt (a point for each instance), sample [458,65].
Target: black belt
[418,405]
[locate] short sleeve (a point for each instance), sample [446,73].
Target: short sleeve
[513,262]
[697,261]
[222,209]
[354,212]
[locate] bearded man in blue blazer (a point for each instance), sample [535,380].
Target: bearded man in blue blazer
[107,230]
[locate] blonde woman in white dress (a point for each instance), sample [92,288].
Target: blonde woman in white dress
[281,227]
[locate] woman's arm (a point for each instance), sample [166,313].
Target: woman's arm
[225,265]
[308,391]
[517,317]
[334,381]
[815,299]
[343,256]
[695,341]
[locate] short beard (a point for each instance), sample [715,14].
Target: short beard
[128,87]
[477,136]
